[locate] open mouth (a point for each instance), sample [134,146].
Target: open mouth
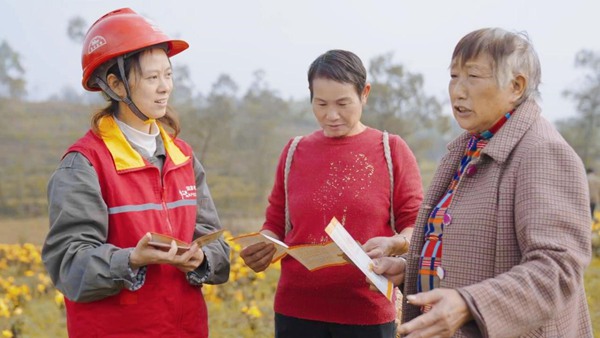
[461,109]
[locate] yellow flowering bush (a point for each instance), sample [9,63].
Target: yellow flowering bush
[243,307]
[22,280]
[596,234]
[31,306]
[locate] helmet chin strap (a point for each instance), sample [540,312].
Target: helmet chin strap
[127,100]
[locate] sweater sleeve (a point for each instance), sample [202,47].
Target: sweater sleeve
[275,213]
[207,220]
[408,187]
[80,263]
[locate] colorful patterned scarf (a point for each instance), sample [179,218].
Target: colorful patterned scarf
[430,262]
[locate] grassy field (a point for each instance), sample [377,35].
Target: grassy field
[240,308]
[33,230]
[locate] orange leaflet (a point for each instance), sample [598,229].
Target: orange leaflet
[163,242]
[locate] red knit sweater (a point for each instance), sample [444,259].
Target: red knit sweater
[346,178]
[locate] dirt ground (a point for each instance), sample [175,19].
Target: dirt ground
[26,230]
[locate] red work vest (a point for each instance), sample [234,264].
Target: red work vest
[139,200]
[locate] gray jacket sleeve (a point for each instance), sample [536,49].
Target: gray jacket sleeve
[207,220]
[79,261]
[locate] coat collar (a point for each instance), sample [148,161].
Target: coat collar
[498,148]
[504,141]
[123,154]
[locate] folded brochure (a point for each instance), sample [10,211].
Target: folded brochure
[318,256]
[356,254]
[312,256]
[163,242]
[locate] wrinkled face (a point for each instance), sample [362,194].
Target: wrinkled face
[151,87]
[477,99]
[338,107]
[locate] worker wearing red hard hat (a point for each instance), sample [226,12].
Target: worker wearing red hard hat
[126,178]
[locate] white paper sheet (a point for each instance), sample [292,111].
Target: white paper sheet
[348,245]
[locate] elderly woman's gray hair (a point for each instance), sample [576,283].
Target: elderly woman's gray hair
[512,54]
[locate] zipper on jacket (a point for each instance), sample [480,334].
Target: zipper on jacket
[164,204]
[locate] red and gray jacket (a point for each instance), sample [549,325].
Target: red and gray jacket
[138,198]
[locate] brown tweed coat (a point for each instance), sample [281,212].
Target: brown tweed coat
[519,241]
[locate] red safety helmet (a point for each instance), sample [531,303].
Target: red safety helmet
[117,33]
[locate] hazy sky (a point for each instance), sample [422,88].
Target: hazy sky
[283,37]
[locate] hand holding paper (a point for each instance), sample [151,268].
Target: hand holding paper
[257,237]
[163,242]
[355,253]
[312,256]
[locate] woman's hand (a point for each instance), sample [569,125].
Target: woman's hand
[258,256]
[392,268]
[448,312]
[189,260]
[377,247]
[145,254]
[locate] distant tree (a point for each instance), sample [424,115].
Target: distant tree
[258,137]
[582,131]
[183,93]
[215,123]
[398,103]
[76,29]
[574,131]
[67,94]
[12,82]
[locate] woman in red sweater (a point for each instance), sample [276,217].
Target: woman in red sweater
[338,171]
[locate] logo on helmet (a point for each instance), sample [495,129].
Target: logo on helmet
[152,25]
[97,42]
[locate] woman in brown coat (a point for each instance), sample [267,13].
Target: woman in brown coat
[503,236]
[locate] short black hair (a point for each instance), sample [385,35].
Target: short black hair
[341,66]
